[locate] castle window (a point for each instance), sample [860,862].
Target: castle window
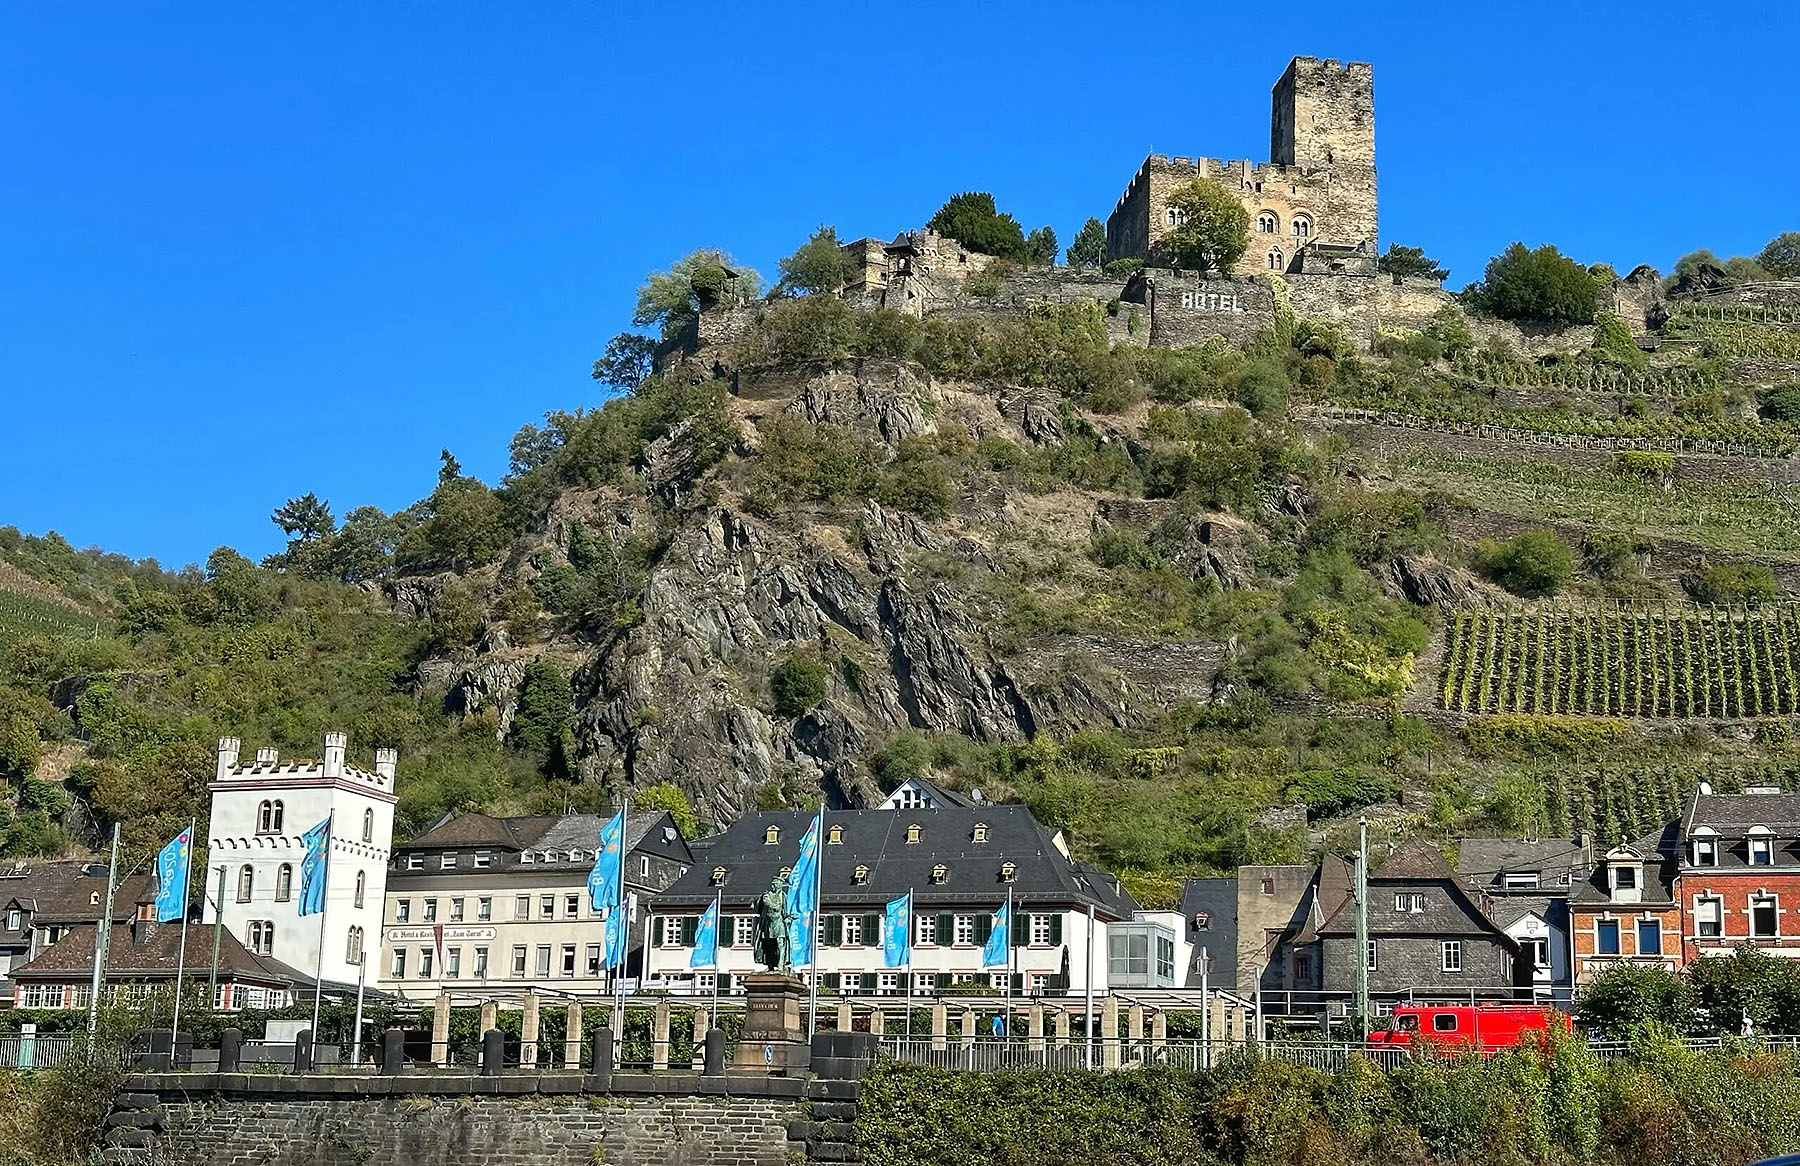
[980,834]
[246,883]
[284,882]
[268,818]
[912,833]
[940,874]
[1176,217]
[368,825]
[353,946]
[1302,227]
[834,836]
[362,885]
[1276,262]
[1267,224]
[772,835]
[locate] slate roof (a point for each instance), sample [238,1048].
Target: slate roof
[1727,813]
[934,791]
[1661,850]
[149,950]
[555,834]
[1218,899]
[1417,862]
[1558,863]
[63,892]
[877,839]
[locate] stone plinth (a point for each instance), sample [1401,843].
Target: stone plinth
[774,1037]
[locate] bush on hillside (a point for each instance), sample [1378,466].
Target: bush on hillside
[797,683]
[1542,286]
[821,266]
[1533,563]
[972,219]
[1088,249]
[1749,584]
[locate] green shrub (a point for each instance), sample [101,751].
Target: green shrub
[1214,228]
[1541,286]
[1643,463]
[1533,563]
[1750,584]
[1114,547]
[972,219]
[1613,342]
[797,683]
[1519,733]
[1123,267]
[1780,402]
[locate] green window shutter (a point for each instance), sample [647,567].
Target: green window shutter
[871,929]
[832,981]
[656,931]
[942,980]
[1056,928]
[984,927]
[834,930]
[690,927]
[868,983]
[727,931]
[946,930]
[1021,929]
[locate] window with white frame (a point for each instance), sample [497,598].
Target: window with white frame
[452,963]
[415,862]
[965,930]
[353,946]
[368,825]
[1706,850]
[1762,850]
[1765,913]
[483,860]
[484,909]
[522,907]
[397,968]
[593,959]
[447,861]
[924,983]
[925,930]
[1301,227]
[1649,936]
[1453,955]
[284,882]
[1266,223]
[456,910]
[852,930]
[431,910]
[1372,957]
[1411,902]
[402,910]
[1042,928]
[425,963]
[1276,261]
[888,984]
[259,936]
[41,995]
[362,886]
[518,960]
[572,907]
[12,919]
[543,960]
[997,981]
[743,930]
[481,963]
[1709,916]
[546,906]
[246,883]
[568,959]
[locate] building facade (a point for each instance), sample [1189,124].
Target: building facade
[259,813]
[1312,207]
[1739,882]
[1628,911]
[42,902]
[1528,885]
[483,903]
[960,864]
[143,956]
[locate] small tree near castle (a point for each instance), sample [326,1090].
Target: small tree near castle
[1212,229]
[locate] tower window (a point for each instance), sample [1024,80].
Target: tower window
[1302,227]
[362,884]
[1267,224]
[1276,262]
[268,818]
[246,883]
[1176,217]
[368,825]
[284,882]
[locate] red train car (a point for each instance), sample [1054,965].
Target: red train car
[1486,1026]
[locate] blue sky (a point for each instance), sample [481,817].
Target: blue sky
[252,250]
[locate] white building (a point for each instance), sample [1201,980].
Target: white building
[254,855]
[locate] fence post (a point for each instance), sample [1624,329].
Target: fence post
[877,1023]
[659,1036]
[572,1037]
[528,1033]
[715,1052]
[600,1058]
[846,1017]
[393,1052]
[1062,1027]
[1109,1030]
[702,1024]
[1159,1034]
[493,1052]
[440,1031]
[968,1025]
[490,1015]
[1134,1018]
[940,1027]
[1034,1029]
[231,1044]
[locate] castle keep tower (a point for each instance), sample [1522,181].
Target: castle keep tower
[1312,206]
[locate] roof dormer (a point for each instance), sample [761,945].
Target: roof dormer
[1759,846]
[1625,874]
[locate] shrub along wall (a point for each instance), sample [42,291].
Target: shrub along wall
[1556,1105]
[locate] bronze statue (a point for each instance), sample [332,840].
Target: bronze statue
[774,949]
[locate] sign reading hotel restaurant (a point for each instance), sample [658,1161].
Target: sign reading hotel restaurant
[426,934]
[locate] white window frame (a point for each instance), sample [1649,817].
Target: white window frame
[402,910]
[926,930]
[452,963]
[1041,929]
[415,862]
[1701,905]
[852,931]
[397,965]
[447,861]
[520,960]
[481,963]
[425,963]
[541,962]
[483,860]
[963,931]
[743,930]
[484,909]
[1774,903]
[1452,956]
[1372,957]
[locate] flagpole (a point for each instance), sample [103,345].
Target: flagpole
[218,927]
[324,900]
[103,937]
[911,908]
[812,941]
[1087,976]
[1011,930]
[718,921]
[362,974]
[181,955]
[624,929]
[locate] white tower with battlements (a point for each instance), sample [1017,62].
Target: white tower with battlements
[259,813]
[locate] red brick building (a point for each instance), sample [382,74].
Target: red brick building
[1740,873]
[1629,910]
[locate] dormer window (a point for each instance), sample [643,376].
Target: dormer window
[834,836]
[787,871]
[525,858]
[1202,921]
[1625,878]
[860,876]
[772,835]
[1706,850]
[912,833]
[1008,871]
[940,874]
[94,899]
[980,832]
[1762,846]
[718,876]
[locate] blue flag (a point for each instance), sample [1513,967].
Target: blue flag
[609,865]
[896,933]
[994,954]
[706,939]
[313,868]
[802,896]
[618,934]
[172,877]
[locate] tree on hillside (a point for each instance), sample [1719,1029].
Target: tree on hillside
[1535,563]
[819,267]
[701,279]
[1089,246]
[1781,258]
[628,361]
[972,219]
[1040,247]
[1544,286]
[1213,228]
[665,795]
[1410,263]
[305,518]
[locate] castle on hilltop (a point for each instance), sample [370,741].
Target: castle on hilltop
[1312,207]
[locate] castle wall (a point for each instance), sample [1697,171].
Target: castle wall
[1185,308]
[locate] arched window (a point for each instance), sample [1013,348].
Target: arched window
[1267,223]
[284,882]
[259,937]
[246,883]
[353,948]
[1176,216]
[1276,263]
[265,818]
[1302,227]
[362,881]
[368,825]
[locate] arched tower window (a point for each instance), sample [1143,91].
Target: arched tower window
[284,882]
[368,825]
[1176,218]
[265,818]
[246,883]
[353,948]
[1276,262]
[1302,227]
[362,882]
[274,818]
[1267,223]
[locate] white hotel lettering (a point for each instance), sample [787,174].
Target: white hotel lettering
[1210,301]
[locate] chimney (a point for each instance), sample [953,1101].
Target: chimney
[334,754]
[228,755]
[385,760]
[269,755]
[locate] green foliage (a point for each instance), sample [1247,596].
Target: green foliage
[1780,402]
[1625,1002]
[667,796]
[1644,463]
[972,220]
[1088,249]
[820,266]
[1781,258]
[1613,342]
[546,706]
[1213,227]
[1542,286]
[1532,563]
[305,518]
[461,525]
[1515,734]
[1040,248]
[1746,583]
[798,683]
[1410,263]
[673,299]
[1223,461]
[628,361]
[1123,268]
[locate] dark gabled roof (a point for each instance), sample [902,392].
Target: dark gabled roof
[1482,862]
[1661,850]
[557,834]
[1728,812]
[469,829]
[146,950]
[1416,861]
[877,839]
[936,792]
[64,893]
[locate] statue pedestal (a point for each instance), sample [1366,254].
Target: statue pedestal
[775,1037]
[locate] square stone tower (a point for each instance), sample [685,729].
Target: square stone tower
[1323,115]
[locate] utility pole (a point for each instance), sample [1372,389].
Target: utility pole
[1362,925]
[218,927]
[103,937]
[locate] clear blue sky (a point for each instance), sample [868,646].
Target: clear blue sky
[252,250]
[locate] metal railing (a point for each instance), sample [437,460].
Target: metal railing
[1000,1054]
[35,1052]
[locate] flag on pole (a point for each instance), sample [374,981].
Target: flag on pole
[313,868]
[995,953]
[896,933]
[706,939]
[609,865]
[802,896]
[618,931]
[172,877]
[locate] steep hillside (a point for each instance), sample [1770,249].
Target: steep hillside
[1166,596]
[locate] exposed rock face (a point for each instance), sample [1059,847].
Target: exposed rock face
[1429,583]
